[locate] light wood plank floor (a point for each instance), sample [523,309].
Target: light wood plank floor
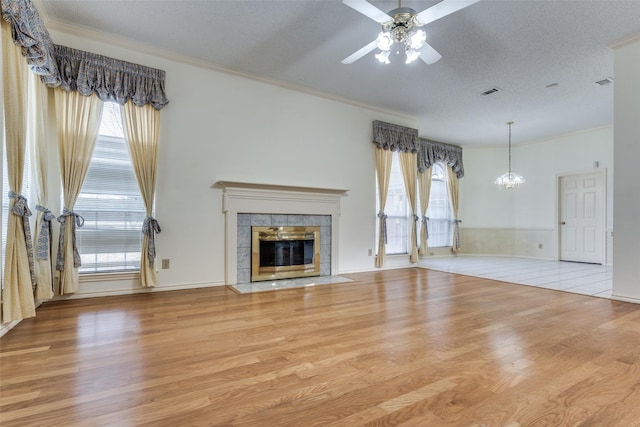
[407,347]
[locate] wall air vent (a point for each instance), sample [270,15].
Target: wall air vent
[490,91]
[604,82]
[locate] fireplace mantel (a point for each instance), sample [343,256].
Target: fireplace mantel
[277,187]
[246,197]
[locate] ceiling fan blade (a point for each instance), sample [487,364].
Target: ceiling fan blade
[360,53]
[367,9]
[429,55]
[442,9]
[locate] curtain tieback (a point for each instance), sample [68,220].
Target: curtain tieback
[425,223]
[416,219]
[45,236]
[76,221]
[456,224]
[21,209]
[150,228]
[383,218]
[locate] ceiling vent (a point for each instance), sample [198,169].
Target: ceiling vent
[490,91]
[604,82]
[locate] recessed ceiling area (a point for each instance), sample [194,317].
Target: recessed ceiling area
[519,47]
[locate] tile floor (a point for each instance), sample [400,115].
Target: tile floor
[579,278]
[272,285]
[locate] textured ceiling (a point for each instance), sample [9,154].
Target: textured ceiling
[520,47]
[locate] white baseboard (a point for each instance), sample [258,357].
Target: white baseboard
[116,292]
[624,299]
[6,327]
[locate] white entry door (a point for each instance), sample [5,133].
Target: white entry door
[582,217]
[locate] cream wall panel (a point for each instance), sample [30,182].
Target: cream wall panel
[509,242]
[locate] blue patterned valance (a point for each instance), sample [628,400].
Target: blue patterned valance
[430,152]
[71,69]
[111,79]
[388,136]
[30,34]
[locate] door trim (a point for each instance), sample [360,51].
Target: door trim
[558,233]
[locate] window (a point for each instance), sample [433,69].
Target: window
[439,211]
[399,213]
[110,203]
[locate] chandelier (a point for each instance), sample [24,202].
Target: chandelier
[401,34]
[510,179]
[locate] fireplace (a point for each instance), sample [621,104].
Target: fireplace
[284,252]
[248,205]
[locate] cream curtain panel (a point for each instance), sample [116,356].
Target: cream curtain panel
[424,186]
[408,167]
[78,119]
[43,232]
[141,126]
[452,188]
[383,173]
[17,292]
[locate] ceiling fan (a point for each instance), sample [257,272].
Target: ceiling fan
[401,30]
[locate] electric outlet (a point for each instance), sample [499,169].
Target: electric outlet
[166,264]
[370,252]
[539,245]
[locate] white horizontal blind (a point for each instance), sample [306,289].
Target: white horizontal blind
[110,203]
[439,211]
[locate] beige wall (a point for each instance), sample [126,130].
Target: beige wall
[626,249]
[222,126]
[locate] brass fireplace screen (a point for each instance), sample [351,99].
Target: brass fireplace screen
[284,252]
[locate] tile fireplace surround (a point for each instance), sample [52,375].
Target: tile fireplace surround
[246,221]
[249,202]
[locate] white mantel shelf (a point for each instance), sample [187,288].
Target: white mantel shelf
[277,187]
[248,197]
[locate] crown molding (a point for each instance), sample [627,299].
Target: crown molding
[539,141]
[624,41]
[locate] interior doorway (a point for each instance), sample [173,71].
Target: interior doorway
[582,217]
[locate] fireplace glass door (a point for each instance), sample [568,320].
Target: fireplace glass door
[284,252]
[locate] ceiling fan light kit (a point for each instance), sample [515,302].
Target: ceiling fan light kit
[401,33]
[401,30]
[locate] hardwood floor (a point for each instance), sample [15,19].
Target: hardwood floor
[405,347]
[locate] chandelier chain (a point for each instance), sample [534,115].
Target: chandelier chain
[510,123]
